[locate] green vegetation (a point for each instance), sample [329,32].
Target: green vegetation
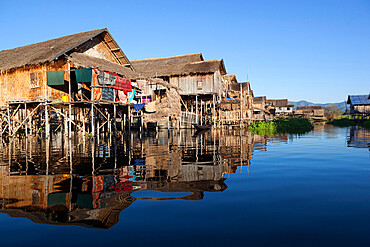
[292,126]
[366,124]
[342,122]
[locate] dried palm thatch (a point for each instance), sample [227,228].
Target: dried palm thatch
[50,50]
[178,65]
[259,99]
[42,52]
[278,102]
[87,61]
[152,63]
[169,106]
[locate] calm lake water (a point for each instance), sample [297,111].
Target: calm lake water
[219,188]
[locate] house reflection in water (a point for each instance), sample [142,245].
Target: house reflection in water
[88,182]
[358,137]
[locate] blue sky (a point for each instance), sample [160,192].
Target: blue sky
[313,50]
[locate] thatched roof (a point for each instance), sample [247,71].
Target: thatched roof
[87,61]
[313,107]
[236,86]
[152,63]
[201,67]
[40,53]
[278,102]
[231,78]
[259,99]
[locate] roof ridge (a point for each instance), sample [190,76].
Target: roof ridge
[97,30]
[164,58]
[212,60]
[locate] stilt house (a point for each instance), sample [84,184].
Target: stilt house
[23,70]
[279,107]
[237,106]
[359,104]
[200,82]
[259,109]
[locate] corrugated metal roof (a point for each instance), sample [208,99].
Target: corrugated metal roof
[359,99]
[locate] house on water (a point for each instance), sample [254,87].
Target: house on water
[260,112]
[359,104]
[23,70]
[82,69]
[279,107]
[310,112]
[200,83]
[237,105]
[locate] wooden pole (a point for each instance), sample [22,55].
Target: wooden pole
[47,124]
[9,125]
[115,119]
[26,124]
[214,111]
[196,109]
[201,112]
[92,120]
[129,119]
[70,99]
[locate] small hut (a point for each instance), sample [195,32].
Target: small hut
[279,107]
[359,104]
[260,112]
[310,112]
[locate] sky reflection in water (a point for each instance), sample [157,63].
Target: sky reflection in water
[170,188]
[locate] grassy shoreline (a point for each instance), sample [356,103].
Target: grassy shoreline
[346,122]
[291,126]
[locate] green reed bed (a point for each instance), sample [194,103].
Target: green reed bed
[292,126]
[366,124]
[342,122]
[347,121]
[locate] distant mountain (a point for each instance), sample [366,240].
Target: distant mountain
[342,105]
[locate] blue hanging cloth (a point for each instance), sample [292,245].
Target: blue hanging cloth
[138,107]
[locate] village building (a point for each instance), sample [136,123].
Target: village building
[359,104]
[260,113]
[310,112]
[71,76]
[279,107]
[83,79]
[23,70]
[199,83]
[236,107]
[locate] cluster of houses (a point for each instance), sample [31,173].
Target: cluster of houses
[89,71]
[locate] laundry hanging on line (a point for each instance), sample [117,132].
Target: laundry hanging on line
[122,97]
[83,75]
[131,95]
[123,84]
[108,93]
[141,84]
[138,107]
[55,78]
[106,79]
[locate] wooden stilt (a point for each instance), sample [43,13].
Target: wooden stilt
[196,109]
[47,125]
[92,119]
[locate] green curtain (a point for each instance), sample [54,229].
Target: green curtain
[57,198]
[55,78]
[85,201]
[83,75]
